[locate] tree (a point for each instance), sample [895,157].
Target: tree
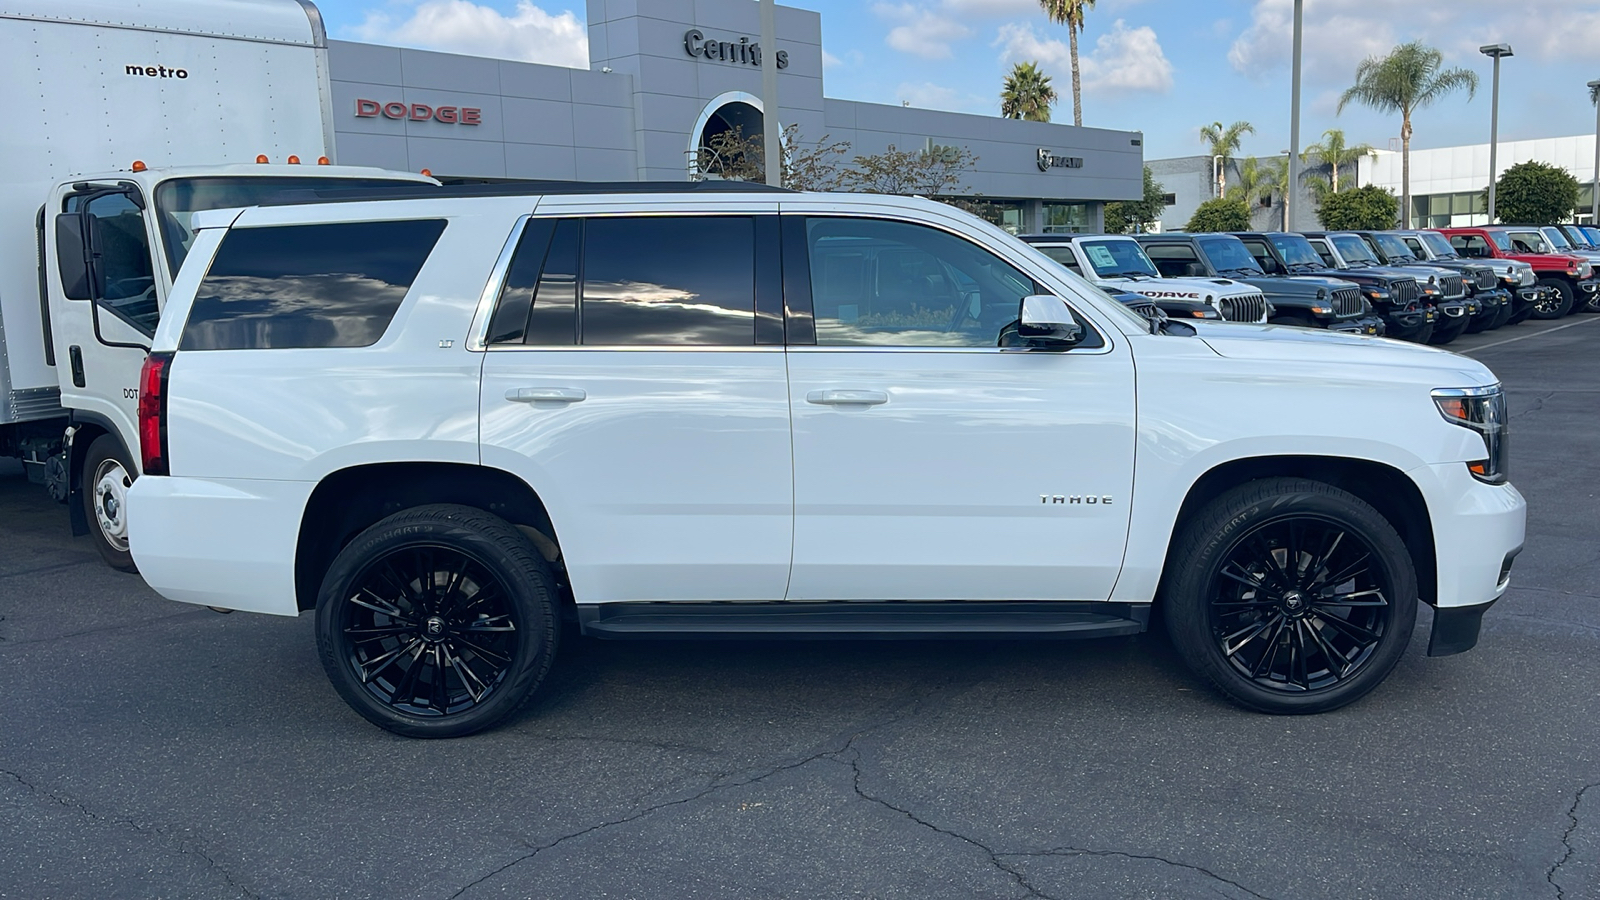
[1406,80]
[1123,216]
[1333,152]
[930,173]
[1027,94]
[1534,193]
[1070,13]
[1253,184]
[1224,142]
[732,156]
[1358,209]
[1220,214]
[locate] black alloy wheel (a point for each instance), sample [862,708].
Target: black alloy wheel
[437,622]
[1587,303]
[1291,596]
[1555,301]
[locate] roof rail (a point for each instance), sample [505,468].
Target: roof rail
[419,191]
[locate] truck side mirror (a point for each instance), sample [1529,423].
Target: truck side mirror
[1194,270]
[72,257]
[1044,321]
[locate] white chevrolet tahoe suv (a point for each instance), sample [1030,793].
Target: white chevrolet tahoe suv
[446,423]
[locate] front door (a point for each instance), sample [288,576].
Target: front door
[623,381]
[930,464]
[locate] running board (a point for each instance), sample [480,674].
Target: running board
[866,620]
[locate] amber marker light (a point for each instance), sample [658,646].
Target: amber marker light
[139,166]
[294,160]
[261,157]
[427,172]
[322,160]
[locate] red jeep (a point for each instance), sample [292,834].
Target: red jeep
[1566,277]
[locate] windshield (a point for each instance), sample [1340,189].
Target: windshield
[1501,240]
[1528,242]
[1113,258]
[1354,250]
[1228,255]
[1393,246]
[178,198]
[1556,238]
[1296,250]
[1592,233]
[1438,243]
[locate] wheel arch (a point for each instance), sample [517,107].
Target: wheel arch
[1387,489]
[348,501]
[87,428]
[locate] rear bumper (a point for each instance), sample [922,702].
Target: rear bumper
[228,543]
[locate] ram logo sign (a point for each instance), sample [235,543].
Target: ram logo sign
[1048,161]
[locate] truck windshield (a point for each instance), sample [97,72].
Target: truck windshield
[1113,258]
[1592,232]
[1394,248]
[1438,243]
[1354,250]
[1296,251]
[1555,237]
[178,198]
[1228,255]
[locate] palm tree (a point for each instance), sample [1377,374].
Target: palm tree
[1070,13]
[1406,80]
[1594,94]
[1027,94]
[1224,143]
[1333,151]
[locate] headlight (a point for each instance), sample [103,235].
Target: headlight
[1482,409]
[1206,313]
[1321,310]
[1376,294]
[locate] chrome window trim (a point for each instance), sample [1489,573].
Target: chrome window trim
[636,348]
[478,337]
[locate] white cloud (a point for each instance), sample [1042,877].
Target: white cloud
[927,95]
[923,32]
[829,60]
[1124,60]
[529,34]
[978,8]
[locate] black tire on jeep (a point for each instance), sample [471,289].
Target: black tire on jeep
[1557,306]
[1448,329]
[438,621]
[107,476]
[1587,303]
[1290,595]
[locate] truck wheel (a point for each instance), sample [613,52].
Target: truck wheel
[438,621]
[1290,596]
[107,475]
[1587,303]
[1448,330]
[1422,335]
[1556,305]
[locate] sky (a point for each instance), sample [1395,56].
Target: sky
[1164,67]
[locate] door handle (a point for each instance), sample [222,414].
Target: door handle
[847,398]
[545,395]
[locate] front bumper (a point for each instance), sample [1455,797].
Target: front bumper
[186,538]
[1477,529]
[1363,325]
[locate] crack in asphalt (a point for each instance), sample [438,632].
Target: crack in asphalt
[1566,841]
[1080,851]
[1538,404]
[178,844]
[128,626]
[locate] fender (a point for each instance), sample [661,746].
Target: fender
[75,450]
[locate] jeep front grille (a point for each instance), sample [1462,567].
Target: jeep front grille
[1405,292]
[1485,279]
[1454,288]
[1248,308]
[1347,302]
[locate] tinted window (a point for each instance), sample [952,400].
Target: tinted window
[1354,250]
[1174,260]
[123,275]
[538,304]
[1112,258]
[1325,253]
[670,281]
[307,285]
[1228,255]
[896,284]
[1062,255]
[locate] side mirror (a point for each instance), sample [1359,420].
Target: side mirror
[1044,321]
[72,257]
[1194,270]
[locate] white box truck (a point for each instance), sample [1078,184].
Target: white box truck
[124,119]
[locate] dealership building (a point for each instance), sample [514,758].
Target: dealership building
[665,77]
[1447,183]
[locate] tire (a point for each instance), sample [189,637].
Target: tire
[107,475]
[1448,330]
[393,636]
[1588,303]
[1276,647]
[1422,335]
[1299,321]
[1554,309]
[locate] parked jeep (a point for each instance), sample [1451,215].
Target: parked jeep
[1348,250]
[1565,277]
[1308,301]
[1395,297]
[1111,260]
[447,424]
[1460,304]
[1557,235]
[1510,284]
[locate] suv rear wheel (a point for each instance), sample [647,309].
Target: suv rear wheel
[438,621]
[1291,596]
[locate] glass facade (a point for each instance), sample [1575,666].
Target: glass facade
[1068,218]
[1467,208]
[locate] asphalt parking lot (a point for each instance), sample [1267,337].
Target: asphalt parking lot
[151,749]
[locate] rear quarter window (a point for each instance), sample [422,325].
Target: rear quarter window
[298,286]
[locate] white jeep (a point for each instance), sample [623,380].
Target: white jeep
[1117,262]
[448,422]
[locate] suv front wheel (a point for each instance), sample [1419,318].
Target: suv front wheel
[1291,596]
[438,621]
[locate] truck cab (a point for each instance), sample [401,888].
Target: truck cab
[1306,300]
[1117,262]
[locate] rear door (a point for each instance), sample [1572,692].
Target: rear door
[628,382]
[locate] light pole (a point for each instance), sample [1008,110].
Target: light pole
[1294,123]
[1498,51]
[772,152]
[1594,208]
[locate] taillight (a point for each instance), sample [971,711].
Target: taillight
[153,413]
